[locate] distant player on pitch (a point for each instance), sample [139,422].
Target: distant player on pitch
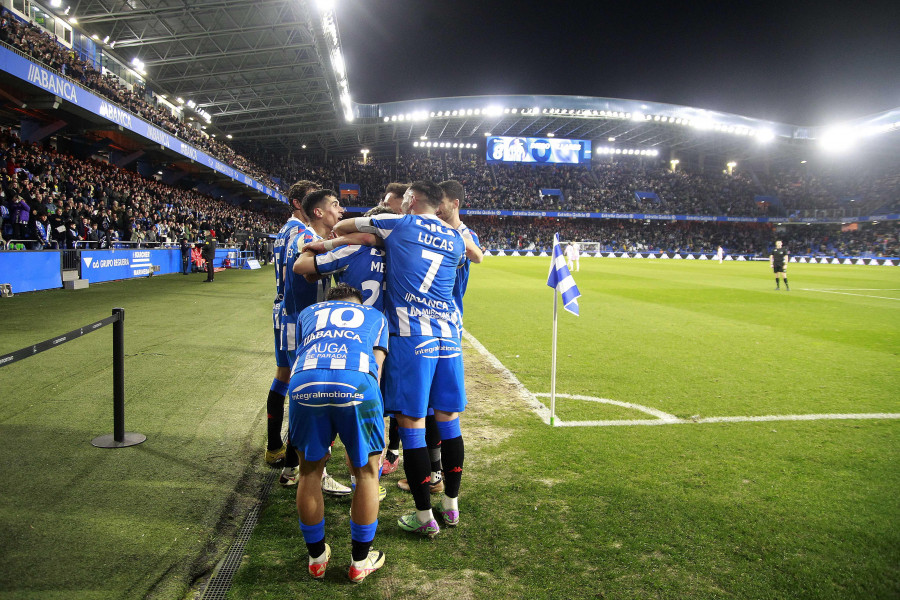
[776,260]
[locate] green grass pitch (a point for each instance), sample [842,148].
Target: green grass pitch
[784,509]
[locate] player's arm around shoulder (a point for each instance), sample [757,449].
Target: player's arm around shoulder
[473,252]
[306,265]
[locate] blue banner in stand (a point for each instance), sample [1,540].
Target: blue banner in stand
[109,265]
[66,89]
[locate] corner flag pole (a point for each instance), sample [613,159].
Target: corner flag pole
[553,365]
[561,281]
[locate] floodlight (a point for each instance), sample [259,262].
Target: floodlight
[95,37]
[73,20]
[191,103]
[228,136]
[637,117]
[106,40]
[838,139]
[610,139]
[456,145]
[424,137]
[551,134]
[487,134]
[180,100]
[386,119]
[325,5]
[431,114]
[765,135]
[303,146]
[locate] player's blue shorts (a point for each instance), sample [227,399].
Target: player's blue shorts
[281,358]
[328,402]
[424,372]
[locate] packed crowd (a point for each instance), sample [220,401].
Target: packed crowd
[53,200]
[44,48]
[607,187]
[623,235]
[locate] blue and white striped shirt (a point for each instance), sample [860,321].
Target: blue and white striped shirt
[340,335]
[422,255]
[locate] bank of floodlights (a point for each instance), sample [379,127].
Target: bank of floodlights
[445,145]
[338,66]
[610,151]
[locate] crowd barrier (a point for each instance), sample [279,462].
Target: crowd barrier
[118,438]
[890,261]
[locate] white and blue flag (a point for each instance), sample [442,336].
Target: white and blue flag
[561,279]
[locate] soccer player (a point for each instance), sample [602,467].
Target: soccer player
[453,196]
[393,196]
[720,254]
[426,370]
[360,267]
[572,256]
[334,391]
[276,451]
[776,260]
[323,209]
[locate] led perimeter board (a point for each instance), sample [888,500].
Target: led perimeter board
[541,151]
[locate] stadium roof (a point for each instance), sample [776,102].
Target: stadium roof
[261,68]
[271,73]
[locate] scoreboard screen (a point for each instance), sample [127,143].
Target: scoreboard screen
[546,151]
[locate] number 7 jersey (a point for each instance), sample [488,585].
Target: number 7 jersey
[423,254]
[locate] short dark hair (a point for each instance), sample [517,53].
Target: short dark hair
[396,188]
[377,210]
[313,199]
[299,190]
[432,194]
[453,190]
[342,291]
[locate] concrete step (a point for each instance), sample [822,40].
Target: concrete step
[76,284]
[70,275]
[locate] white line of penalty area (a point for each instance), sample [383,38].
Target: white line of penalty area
[662,418]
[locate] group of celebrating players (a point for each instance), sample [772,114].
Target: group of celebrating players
[385,339]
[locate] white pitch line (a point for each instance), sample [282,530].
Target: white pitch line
[810,417]
[660,415]
[849,294]
[542,411]
[663,418]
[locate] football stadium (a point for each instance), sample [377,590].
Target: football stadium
[677,376]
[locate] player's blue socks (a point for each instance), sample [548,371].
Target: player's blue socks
[412,438]
[314,536]
[449,429]
[275,413]
[279,387]
[417,465]
[453,452]
[361,537]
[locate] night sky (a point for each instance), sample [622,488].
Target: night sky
[803,63]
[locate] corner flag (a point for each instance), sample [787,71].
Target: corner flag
[561,279]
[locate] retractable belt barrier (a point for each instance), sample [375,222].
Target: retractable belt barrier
[118,439]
